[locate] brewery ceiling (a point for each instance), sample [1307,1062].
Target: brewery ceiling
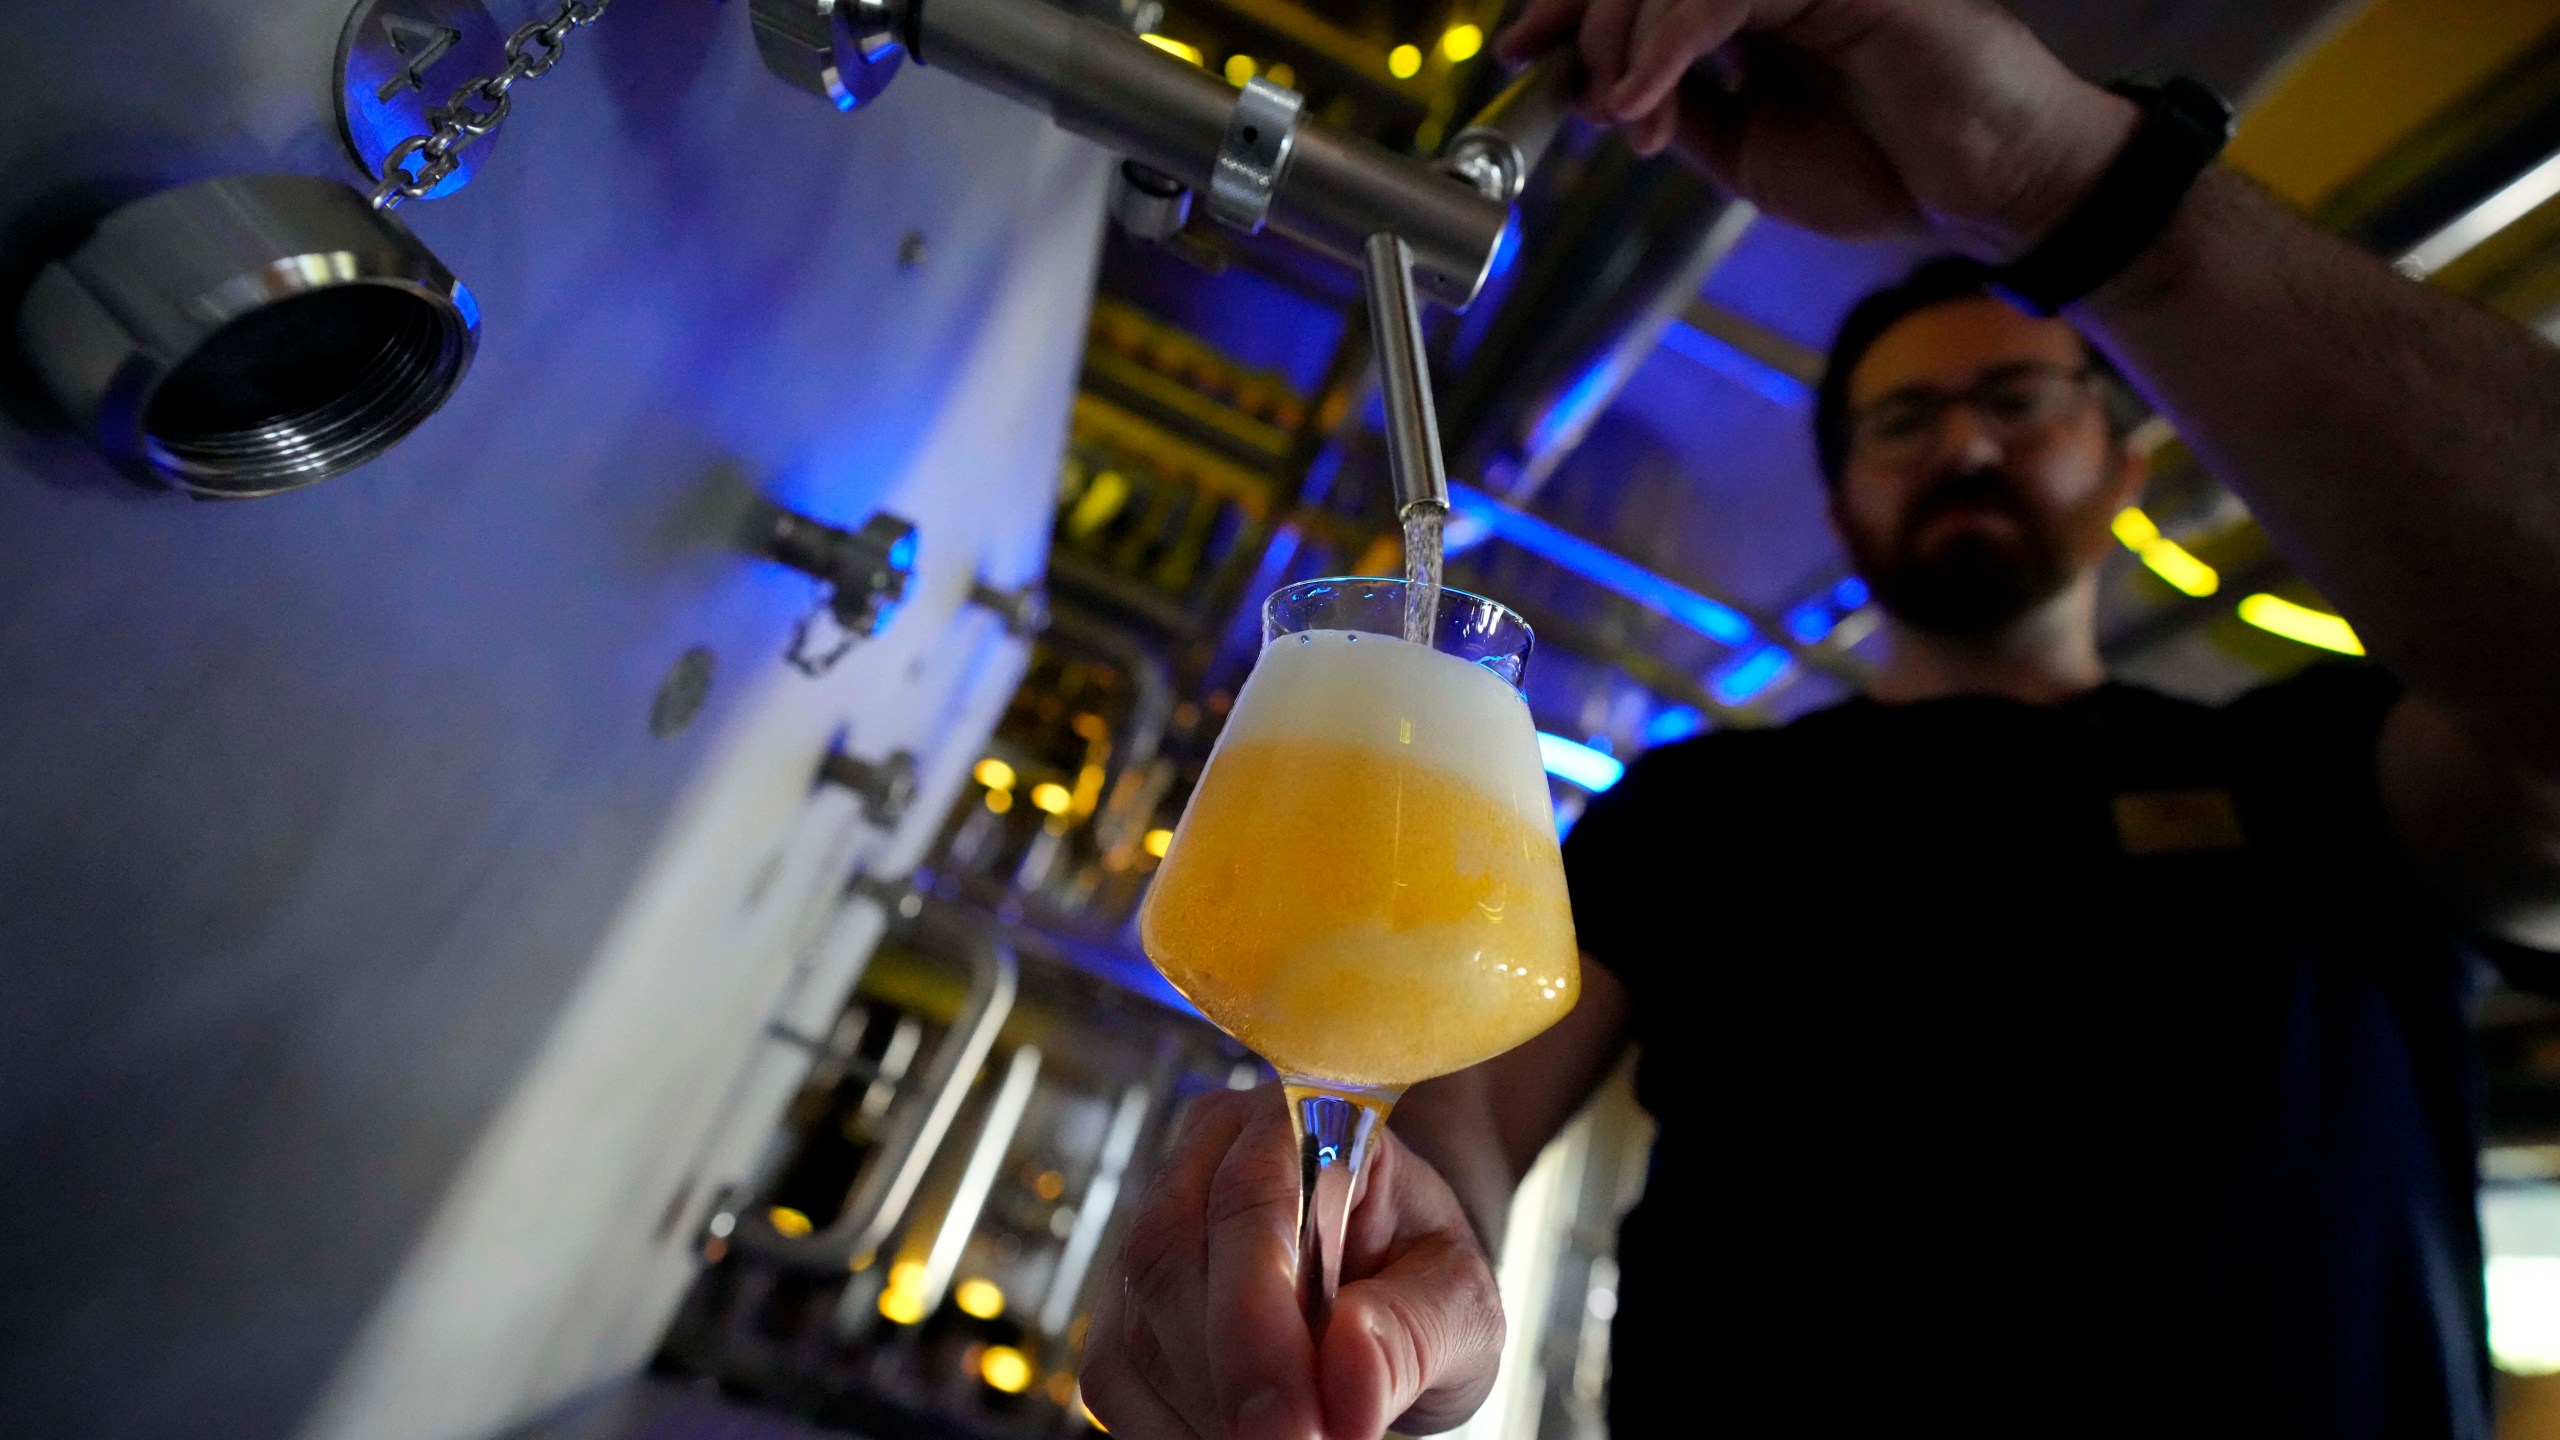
[1225,392]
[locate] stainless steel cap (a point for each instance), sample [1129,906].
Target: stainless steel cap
[846,51]
[250,334]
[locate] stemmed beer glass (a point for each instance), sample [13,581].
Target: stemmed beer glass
[1366,886]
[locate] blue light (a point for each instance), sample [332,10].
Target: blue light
[902,556]
[1674,725]
[1464,531]
[1710,618]
[1849,594]
[1581,403]
[1740,366]
[1809,622]
[1578,764]
[1746,678]
[1603,744]
[1506,249]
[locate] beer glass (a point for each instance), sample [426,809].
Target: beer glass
[1366,886]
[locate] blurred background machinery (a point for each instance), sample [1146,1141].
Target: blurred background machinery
[615,916]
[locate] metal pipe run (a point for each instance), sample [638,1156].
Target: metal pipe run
[888,1182]
[1325,189]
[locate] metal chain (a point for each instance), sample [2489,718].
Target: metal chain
[421,162]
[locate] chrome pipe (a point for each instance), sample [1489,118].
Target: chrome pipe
[1328,190]
[1395,326]
[888,1184]
[1093,1214]
[978,1176]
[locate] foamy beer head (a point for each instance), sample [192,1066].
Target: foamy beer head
[1366,886]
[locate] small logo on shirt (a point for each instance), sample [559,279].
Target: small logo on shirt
[2174,822]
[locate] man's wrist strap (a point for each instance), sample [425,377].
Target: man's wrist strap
[2184,126]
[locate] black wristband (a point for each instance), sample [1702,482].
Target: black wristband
[2184,126]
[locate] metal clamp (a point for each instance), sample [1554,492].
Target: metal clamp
[887,787]
[1261,132]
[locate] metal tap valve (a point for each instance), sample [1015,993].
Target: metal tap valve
[1495,151]
[1025,612]
[866,569]
[886,787]
[1251,155]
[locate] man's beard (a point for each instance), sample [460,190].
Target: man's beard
[1972,582]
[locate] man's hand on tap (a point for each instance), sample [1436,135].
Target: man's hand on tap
[1199,1335]
[1854,117]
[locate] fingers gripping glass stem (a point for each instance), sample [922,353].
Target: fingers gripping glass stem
[1336,1126]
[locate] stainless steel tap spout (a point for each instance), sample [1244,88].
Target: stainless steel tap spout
[1413,428]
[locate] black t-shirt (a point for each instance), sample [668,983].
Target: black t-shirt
[2097,1067]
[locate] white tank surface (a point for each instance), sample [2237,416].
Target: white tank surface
[390,922]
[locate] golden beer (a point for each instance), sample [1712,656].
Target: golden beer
[1366,886]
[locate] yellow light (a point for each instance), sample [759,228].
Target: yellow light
[2134,528]
[1005,1368]
[2167,558]
[1282,76]
[994,774]
[999,801]
[902,1299]
[1100,501]
[1173,47]
[1404,62]
[2279,616]
[981,1298]
[905,1307]
[1240,68]
[1462,42]
[2170,561]
[1049,1185]
[1051,796]
[787,1221]
[1159,842]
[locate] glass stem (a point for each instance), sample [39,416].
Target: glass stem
[1336,1127]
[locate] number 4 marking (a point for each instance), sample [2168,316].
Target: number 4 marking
[431,41]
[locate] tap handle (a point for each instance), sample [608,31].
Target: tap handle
[1495,151]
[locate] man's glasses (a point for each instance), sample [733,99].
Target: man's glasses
[2018,404]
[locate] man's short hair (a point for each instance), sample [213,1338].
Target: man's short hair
[1934,282]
